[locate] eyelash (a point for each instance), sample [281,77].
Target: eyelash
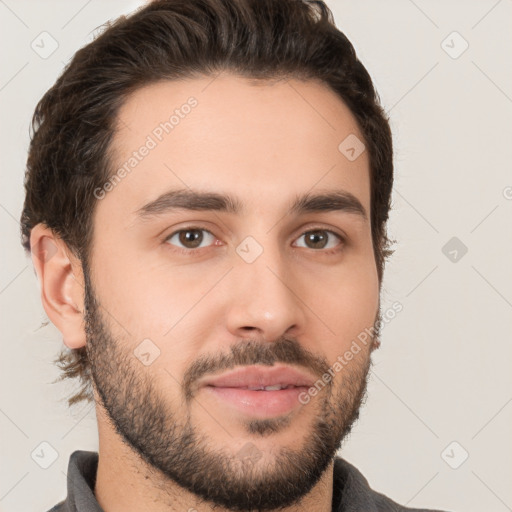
[195,252]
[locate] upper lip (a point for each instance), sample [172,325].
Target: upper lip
[259,377]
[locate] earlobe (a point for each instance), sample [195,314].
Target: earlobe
[61,283]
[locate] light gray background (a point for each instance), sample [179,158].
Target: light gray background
[443,371]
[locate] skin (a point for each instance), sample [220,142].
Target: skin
[295,304]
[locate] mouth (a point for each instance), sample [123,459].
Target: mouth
[259,391]
[276,387]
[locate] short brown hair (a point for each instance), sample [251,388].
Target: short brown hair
[74,122]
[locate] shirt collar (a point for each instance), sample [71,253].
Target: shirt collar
[351,491]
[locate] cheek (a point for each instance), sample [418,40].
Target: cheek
[347,303]
[155,301]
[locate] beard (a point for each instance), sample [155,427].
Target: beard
[163,434]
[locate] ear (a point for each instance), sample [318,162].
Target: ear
[61,283]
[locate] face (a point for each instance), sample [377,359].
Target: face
[235,252]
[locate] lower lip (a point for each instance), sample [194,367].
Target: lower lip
[260,403]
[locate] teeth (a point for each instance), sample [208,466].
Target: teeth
[276,387]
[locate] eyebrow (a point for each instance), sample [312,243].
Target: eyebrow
[187,199]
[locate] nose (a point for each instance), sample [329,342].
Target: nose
[263,301]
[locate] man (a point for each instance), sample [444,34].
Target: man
[207,193]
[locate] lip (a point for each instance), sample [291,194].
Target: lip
[261,404]
[231,388]
[258,376]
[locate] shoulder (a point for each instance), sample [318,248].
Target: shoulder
[352,492]
[81,477]
[60,507]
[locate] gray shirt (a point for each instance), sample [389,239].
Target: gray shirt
[351,492]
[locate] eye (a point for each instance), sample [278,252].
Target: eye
[190,238]
[194,237]
[321,239]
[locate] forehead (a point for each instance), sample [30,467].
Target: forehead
[259,141]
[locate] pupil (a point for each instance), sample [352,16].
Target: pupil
[315,237]
[191,238]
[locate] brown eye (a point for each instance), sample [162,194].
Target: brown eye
[190,238]
[320,239]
